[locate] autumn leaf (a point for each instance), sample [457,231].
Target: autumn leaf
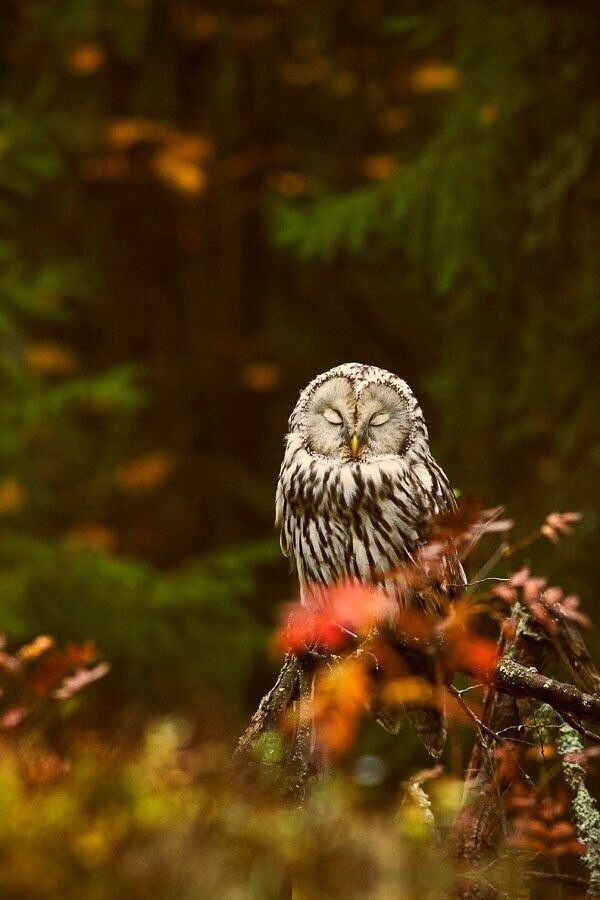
[261,377]
[183,174]
[289,184]
[332,617]
[13,717]
[12,496]
[37,647]
[341,695]
[302,629]
[410,691]
[145,473]
[544,602]
[50,358]
[558,524]
[124,133]
[380,167]
[53,667]
[435,76]
[74,683]
[86,58]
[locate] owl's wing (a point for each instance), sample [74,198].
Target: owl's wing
[441,499]
[279,518]
[431,494]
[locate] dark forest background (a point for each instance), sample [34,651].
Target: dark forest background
[203,205]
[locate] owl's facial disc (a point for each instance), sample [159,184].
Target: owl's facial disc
[327,421]
[350,422]
[383,423]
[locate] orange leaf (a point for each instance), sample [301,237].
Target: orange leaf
[380,166]
[261,377]
[145,473]
[435,76]
[12,496]
[50,358]
[340,697]
[183,174]
[87,58]
[410,691]
[37,647]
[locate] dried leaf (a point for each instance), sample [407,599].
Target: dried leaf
[435,76]
[145,473]
[13,717]
[12,496]
[178,172]
[340,697]
[380,166]
[74,683]
[50,358]
[36,648]
[86,58]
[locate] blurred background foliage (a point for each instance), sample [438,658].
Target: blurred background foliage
[202,205]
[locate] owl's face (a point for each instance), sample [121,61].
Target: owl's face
[348,419]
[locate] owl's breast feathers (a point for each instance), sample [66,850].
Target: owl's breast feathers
[357,520]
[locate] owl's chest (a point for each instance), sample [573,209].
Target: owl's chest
[347,525]
[351,496]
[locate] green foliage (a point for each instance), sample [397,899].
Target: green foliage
[192,624]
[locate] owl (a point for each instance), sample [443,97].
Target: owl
[356,488]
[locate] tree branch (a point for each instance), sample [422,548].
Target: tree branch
[270,709]
[517,680]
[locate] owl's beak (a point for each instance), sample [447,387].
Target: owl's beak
[355,445]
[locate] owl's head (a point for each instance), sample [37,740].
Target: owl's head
[358,413]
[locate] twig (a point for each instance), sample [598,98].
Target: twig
[595,738]
[475,719]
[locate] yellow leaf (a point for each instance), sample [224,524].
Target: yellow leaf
[50,358]
[124,133]
[410,690]
[179,172]
[340,698]
[12,496]
[36,647]
[435,76]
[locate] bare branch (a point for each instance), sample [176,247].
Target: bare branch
[513,678]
